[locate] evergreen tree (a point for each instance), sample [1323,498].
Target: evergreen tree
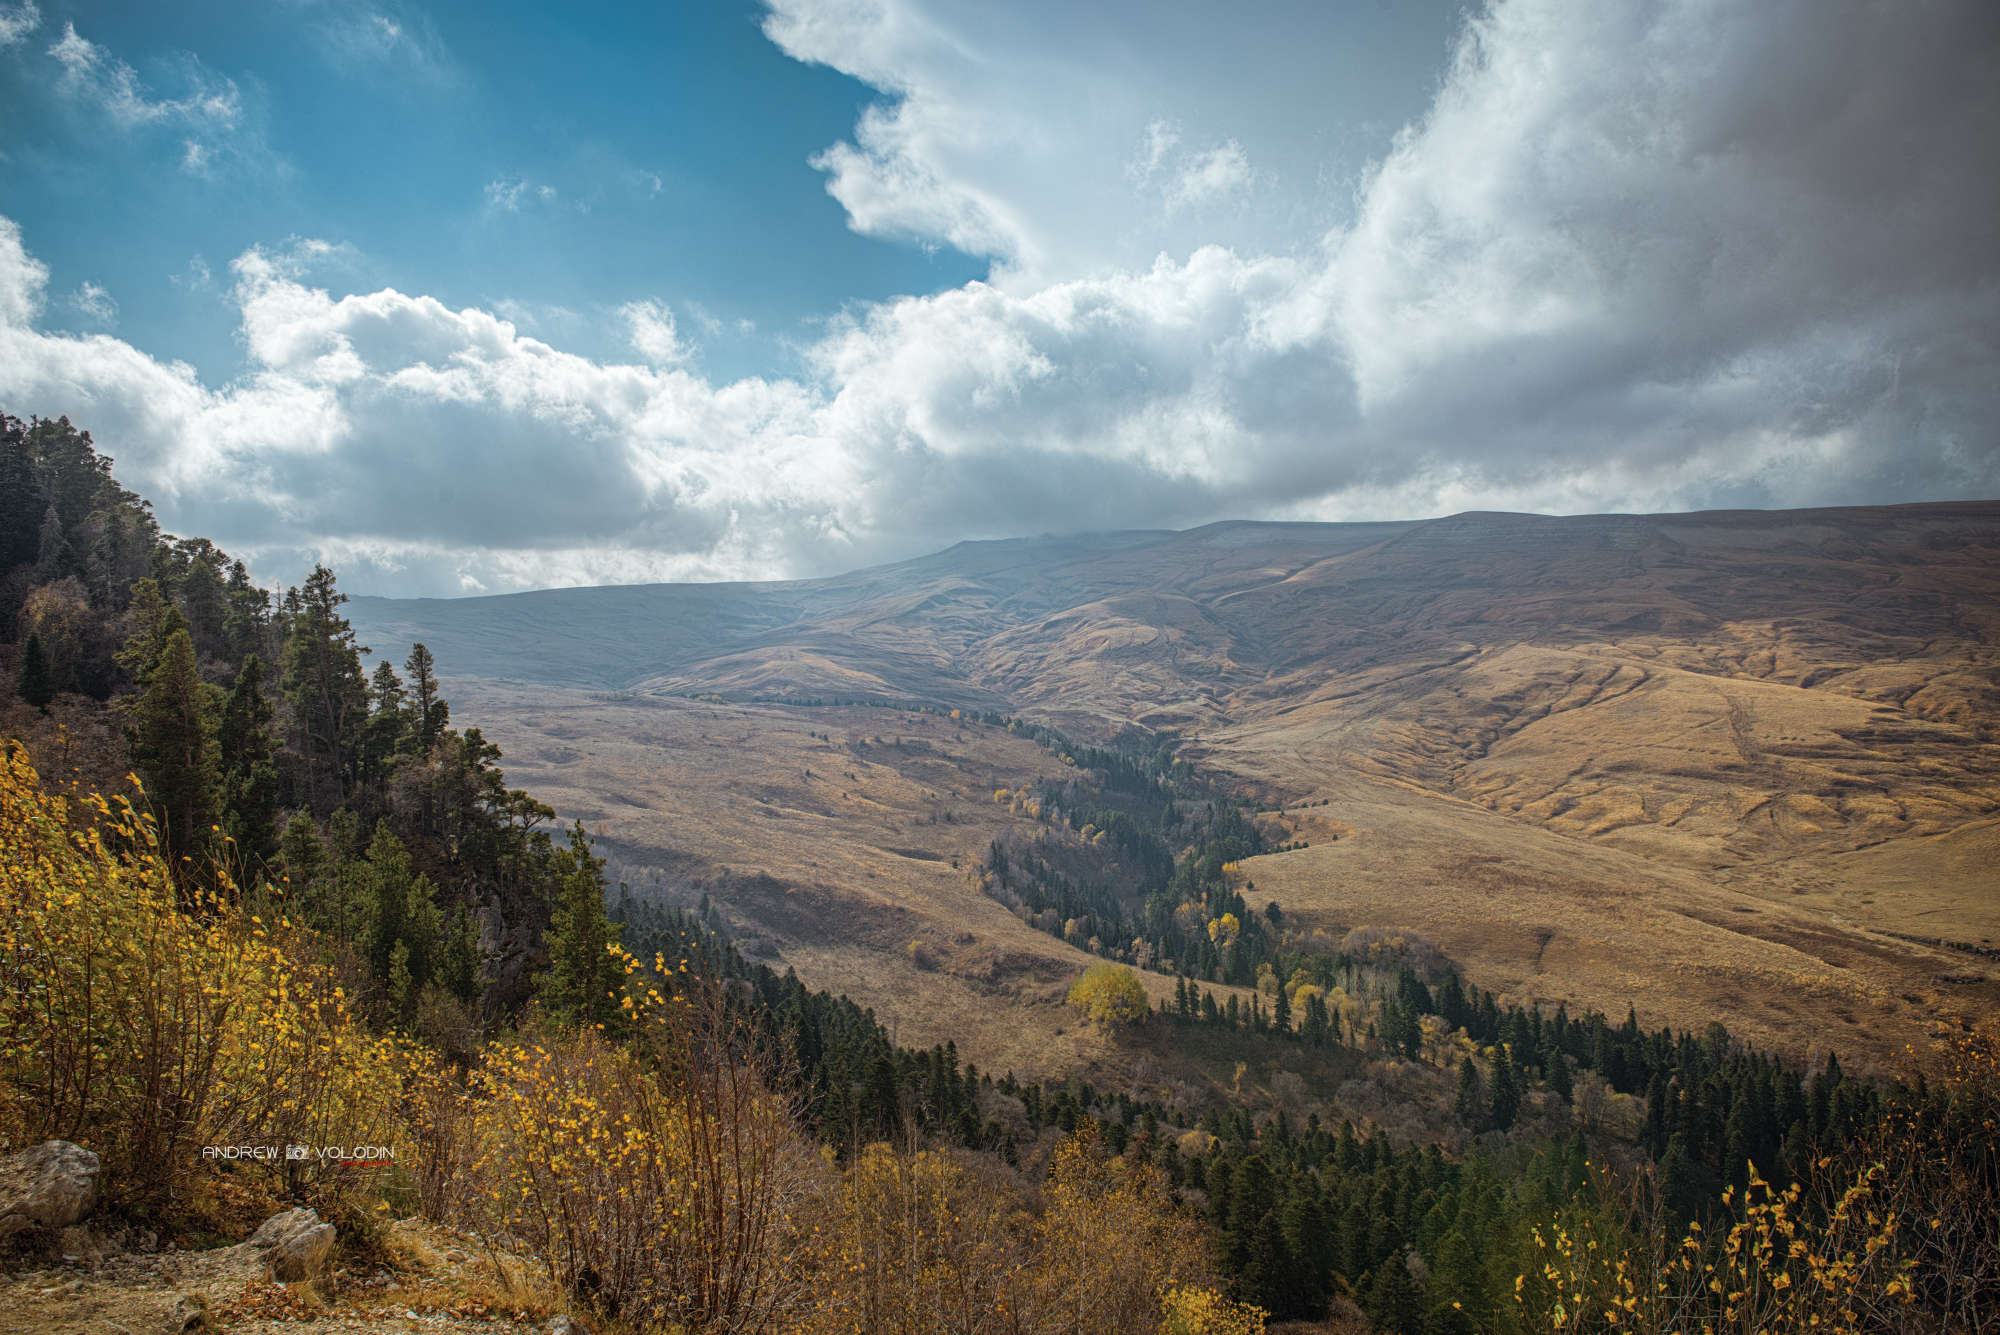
[583,979]
[248,616]
[391,878]
[1506,1091]
[21,500]
[388,724]
[172,730]
[1394,1301]
[460,958]
[431,713]
[33,684]
[1555,1067]
[1471,1105]
[323,685]
[247,753]
[153,619]
[1680,1188]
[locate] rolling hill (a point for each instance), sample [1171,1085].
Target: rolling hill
[1731,765]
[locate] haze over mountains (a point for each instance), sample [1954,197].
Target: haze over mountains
[1736,764]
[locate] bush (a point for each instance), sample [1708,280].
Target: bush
[148,1032]
[661,1179]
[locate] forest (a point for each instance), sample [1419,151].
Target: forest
[256,893]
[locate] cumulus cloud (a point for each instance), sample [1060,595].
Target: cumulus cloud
[1634,256]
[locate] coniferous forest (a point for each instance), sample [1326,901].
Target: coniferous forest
[258,893]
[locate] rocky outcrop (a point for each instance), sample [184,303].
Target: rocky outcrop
[296,1243]
[51,1186]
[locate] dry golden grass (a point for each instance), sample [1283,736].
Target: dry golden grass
[1734,766]
[833,874]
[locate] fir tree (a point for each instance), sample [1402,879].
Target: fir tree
[431,713]
[1471,1107]
[33,684]
[322,682]
[583,979]
[247,753]
[1506,1091]
[172,730]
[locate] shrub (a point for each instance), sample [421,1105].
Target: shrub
[661,1179]
[147,1032]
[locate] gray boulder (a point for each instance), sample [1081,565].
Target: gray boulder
[296,1243]
[51,1186]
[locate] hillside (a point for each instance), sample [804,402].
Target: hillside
[1733,765]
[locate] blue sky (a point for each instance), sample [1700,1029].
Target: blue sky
[482,297]
[674,138]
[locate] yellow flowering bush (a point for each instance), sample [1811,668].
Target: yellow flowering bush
[660,1179]
[1199,1311]
[149,1024]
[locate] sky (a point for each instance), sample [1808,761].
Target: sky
[468,298]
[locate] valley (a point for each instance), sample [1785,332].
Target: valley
[1737,766]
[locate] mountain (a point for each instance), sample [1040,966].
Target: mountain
[1739,764]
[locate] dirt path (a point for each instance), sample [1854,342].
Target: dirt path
[435,1282]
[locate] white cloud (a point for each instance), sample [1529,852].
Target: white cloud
[1634,257]
[1161,138]
[95,75]
[95,304]
[1210,177]
[404,43]
[208,117]
[17,21]
[652,333]
[509,193]
[194,277]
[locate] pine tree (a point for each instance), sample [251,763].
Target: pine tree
[1471,1105]
[248,617]
[460,958]
[247,753]
[52,558]
[21,498]
[431,713]
[1506,1091]
[1556,1071]
[391,879]
[323,684]
[33,684]
[584,978]
[1394,1300]
[153,619]
[172,730]
[388,724]
[1680,1191]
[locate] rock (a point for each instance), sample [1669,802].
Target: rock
[182,1314]
[83,1247]
[51,1186]
[562,1325]
[297,1244]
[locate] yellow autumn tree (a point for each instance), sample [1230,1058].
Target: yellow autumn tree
[1111,995]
